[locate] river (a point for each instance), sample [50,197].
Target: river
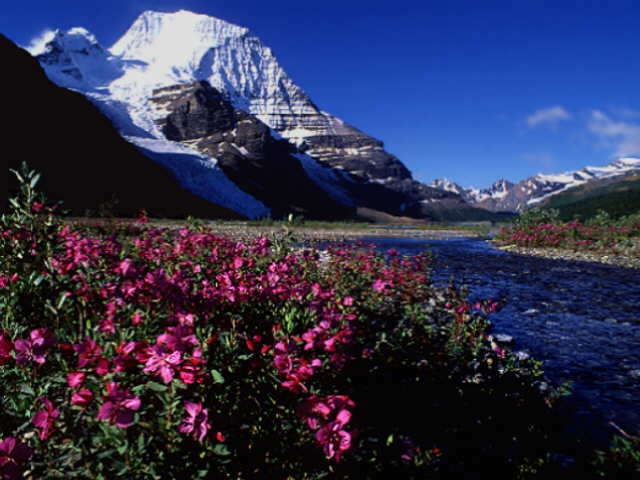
[581,319]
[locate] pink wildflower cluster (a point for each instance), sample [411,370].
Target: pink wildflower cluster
[158,310]
[572,235]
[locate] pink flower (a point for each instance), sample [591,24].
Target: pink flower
[36,348]
[88,351]
[124,266]
[82,398]
[102,367]
[379,285]
[119,406]
[197,421]
[191,370]
[12,455]
[237,263]
[317,410]
[334,439]
[6,347]
[128,355]
[180,338]
[75,379]
[162,361]
[44,418]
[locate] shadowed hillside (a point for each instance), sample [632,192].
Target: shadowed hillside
[82,158]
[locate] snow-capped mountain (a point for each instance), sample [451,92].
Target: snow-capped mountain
[87,164]
[164,51]
[509,197]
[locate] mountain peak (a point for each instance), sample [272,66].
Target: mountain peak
[181,34]
[74,39]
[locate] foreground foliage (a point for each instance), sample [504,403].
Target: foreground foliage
[156,353]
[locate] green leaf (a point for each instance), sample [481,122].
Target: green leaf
[157,387]
[34,180]
[221,449]
[63,298]
[390,439]
[24,388]
[106,453]
[217,376]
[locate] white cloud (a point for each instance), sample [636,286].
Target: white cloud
[622,136]
[548,116]
[37,44]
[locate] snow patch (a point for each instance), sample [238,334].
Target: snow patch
[200,175]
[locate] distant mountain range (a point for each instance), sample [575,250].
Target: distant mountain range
[505,196]
[225,121]
[618,196]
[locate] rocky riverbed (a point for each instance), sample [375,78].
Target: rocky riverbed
[620,260]
[582,319]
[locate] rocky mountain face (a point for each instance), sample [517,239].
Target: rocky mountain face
[504,196]
[83,159]
[252,125]
[200,117]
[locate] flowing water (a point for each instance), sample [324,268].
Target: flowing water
[581,319]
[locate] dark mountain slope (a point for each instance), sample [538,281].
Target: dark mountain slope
[83,159]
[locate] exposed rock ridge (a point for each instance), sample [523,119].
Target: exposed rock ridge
[199,116]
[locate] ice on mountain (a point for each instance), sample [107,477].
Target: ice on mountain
[201,175]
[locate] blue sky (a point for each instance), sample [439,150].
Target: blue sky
[471,90]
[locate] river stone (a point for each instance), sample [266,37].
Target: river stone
[635,374]
[503,338]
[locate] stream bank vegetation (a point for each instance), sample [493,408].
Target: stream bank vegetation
[600,233]
[157,353]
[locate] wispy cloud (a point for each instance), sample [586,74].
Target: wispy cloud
[621,136]
[548,116]
[626,113]
[542,160]
[37,43]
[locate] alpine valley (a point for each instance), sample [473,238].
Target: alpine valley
[204,115]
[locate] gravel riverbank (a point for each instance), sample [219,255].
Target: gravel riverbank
[626,261]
